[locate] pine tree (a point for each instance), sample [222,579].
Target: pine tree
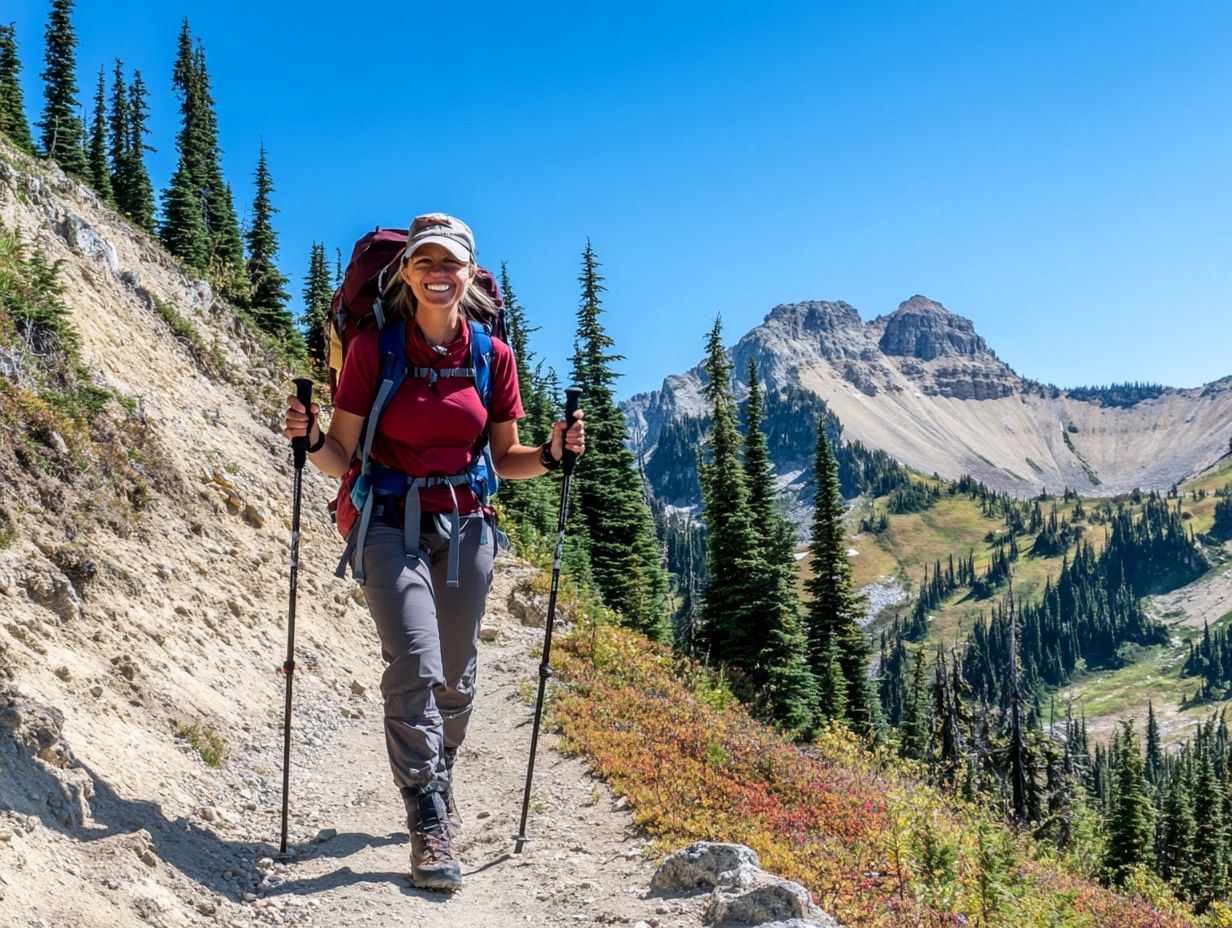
[226,242]
[1130,827]
[732,604]
[100,173]
[531,504]
[1210,847]
[914,730]
[13,122]
[61,126]
[782,673]
[139,191]
[1176,837]
[834,610]
[118,138]
[184,230]
[317,296]
[210,240]
[624,554]
[268,300]
[1154,748]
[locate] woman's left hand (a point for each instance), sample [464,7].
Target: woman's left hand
[574,438]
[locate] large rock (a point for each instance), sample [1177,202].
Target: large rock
[755,897]
[701,864]
[81,235]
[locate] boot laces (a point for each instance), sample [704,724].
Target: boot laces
[436,848]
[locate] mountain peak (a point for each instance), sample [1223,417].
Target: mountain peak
[924,329]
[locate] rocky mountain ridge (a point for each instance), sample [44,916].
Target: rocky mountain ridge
[922,385]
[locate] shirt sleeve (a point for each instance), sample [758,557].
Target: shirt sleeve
[360,372]
[506,404]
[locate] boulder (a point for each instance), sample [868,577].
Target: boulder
[748,897]
[81,235]
[701,864]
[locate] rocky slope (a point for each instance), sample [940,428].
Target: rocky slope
[135,641]
[922,385]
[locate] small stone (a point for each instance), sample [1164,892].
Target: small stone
[641,925]
[484,815]
[6,835]
[488,634]
[208,813]
[250,806]
[96,691]
[147,857]
[621,804]
[111,883]
[357,688]
[265,863]
[64,673]
[325,834]
[250,897]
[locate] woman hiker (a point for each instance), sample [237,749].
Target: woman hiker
[427,604]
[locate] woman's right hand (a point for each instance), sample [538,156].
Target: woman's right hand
[299,419]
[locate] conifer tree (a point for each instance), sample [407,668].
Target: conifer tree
[624,554]
[1154,749]
[13,122]
[1179,827]
[834,610]
[100,172]
[62,129]
[226,242]
[913,732]
[212,239]
[184,230]
[1210,847]
[532,504]
[783,674]
[118,139]
[732,603]
[138,189]
[317,296]
[1130,827]
[268,296]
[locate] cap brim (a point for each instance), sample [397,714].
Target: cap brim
[454,247]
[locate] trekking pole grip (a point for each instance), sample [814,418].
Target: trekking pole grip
[303,393]
[573,396]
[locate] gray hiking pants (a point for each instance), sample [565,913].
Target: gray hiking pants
[429,639]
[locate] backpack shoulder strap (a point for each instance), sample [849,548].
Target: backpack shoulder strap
[391,348]
[481,360]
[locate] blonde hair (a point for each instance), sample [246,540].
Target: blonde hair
[399,302]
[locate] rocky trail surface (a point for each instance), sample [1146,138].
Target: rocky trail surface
[128,860]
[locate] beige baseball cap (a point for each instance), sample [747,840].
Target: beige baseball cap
[439,229]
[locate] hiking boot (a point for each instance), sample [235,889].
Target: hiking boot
[434,864]
[451,807]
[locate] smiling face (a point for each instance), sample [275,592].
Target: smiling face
[436,277]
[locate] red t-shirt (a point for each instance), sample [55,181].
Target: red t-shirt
[430,430]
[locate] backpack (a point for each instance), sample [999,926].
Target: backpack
[356,305]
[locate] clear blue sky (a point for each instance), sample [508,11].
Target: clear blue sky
[1059,172]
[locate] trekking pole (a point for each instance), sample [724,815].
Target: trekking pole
[299,446]
[572,395]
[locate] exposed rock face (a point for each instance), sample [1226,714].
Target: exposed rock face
[922,385]
[922,329]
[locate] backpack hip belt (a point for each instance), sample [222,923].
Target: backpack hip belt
[388,486]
